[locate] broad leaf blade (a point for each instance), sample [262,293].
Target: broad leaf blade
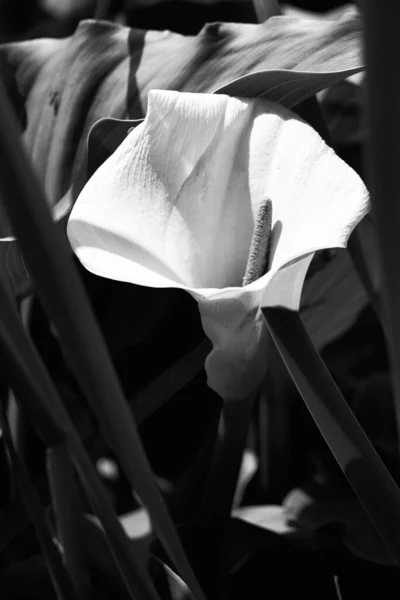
[284,86]
[62,87]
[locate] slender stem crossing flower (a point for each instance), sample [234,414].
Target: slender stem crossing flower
[176,206]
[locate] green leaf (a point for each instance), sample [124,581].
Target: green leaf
[106,70]
[286,87]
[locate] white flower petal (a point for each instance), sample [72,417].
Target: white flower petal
[175,206]
[236,327]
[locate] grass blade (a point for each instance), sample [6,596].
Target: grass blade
[169,382]
[68,515]
[59,576]
[382,52]
[16,362]
[51,263]
[353,451]
[38,396]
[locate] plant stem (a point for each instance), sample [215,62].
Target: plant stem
[219,492]
[63,296]
[227,457]
[68,515]
[382,52]
[350,446]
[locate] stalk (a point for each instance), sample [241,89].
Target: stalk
[221,484]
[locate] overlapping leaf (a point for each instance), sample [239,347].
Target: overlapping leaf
[61,87]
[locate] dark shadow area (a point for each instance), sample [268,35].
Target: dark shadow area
[136,41]
[188,18]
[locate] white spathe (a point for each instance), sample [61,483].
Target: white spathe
[176,203]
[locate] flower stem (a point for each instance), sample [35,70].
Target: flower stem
[219,492]
[350,446]
[227,457]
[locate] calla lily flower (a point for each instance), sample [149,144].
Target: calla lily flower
[177,203]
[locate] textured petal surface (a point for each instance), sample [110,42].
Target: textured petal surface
[175,206]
